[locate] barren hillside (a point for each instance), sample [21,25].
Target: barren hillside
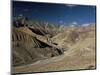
[78,45]
[27,48]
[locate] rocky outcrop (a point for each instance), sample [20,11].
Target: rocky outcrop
[26,48]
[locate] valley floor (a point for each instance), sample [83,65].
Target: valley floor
[77,57]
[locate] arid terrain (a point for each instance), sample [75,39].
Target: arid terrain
[40,47]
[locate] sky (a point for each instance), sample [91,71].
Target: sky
[64,14]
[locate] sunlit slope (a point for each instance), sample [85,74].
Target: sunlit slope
[26,48]
[80,54]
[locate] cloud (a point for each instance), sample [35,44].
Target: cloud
[70,5]
[20,15]
[60,21]
[74,23]
[85,25]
